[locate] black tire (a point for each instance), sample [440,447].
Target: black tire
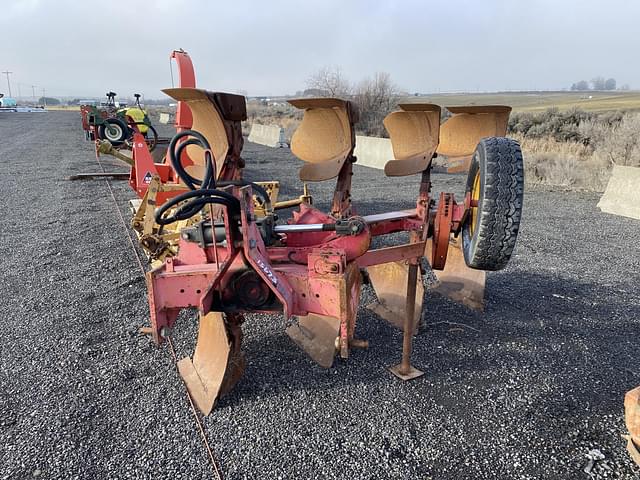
[496,177]
[114,130]
[153,141]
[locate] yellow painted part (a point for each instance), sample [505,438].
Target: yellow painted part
[272,188]
[138,116]
[475,195]
[145,217]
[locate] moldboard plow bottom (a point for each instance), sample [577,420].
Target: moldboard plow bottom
[231,259]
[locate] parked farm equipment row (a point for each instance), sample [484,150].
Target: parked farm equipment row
[112,127]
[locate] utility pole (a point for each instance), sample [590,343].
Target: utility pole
[7,73]
[44,98]
[33,91]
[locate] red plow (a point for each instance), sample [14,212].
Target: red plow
[233,256]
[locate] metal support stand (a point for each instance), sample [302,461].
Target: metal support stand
[405,370]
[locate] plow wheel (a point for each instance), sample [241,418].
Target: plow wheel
[496,182]
[217,363]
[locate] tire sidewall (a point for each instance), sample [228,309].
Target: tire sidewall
[117,123]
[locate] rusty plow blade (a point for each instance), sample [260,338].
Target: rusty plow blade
[460,134]
[457,281]
[214,365]
[389,280]
[317,335]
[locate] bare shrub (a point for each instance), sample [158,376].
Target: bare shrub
[375,97]
[568,172]
[575,149]
[330,82]
[563,126]
[569,165]
[283,115]
[620,144]
[547,145]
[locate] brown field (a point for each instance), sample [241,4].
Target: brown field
[540,101]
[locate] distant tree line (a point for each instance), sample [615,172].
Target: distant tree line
[597,83]
[48,101]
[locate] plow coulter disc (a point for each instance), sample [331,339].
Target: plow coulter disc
[217,362]
[316,335]
[457,281]
[389,280]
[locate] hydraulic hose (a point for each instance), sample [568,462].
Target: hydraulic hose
[175,153]
[197,198]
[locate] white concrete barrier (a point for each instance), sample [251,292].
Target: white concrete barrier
[622,196]
[269,135]
[373,152]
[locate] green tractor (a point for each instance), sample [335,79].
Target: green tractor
[116,123]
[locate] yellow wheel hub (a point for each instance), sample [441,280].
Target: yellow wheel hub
[475,197]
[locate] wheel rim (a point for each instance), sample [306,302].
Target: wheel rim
[475,197]
[113,132]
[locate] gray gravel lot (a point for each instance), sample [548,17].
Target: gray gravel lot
[525,393]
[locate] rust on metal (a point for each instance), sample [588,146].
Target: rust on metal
[404,370]
[232,257]
[457,281]
[414,133]
[390,282]
[460,134]
[204,375]
[325,137]
[632,422]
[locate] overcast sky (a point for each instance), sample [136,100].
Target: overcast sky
[84,48]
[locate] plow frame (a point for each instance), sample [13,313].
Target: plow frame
[327,284]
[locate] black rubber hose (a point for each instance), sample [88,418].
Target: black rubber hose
[188,180]
[260,191]
[198,139]
[191,182]
[199,198]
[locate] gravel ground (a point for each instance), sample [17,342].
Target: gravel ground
[535,383]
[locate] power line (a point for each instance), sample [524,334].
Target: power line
[7,73]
